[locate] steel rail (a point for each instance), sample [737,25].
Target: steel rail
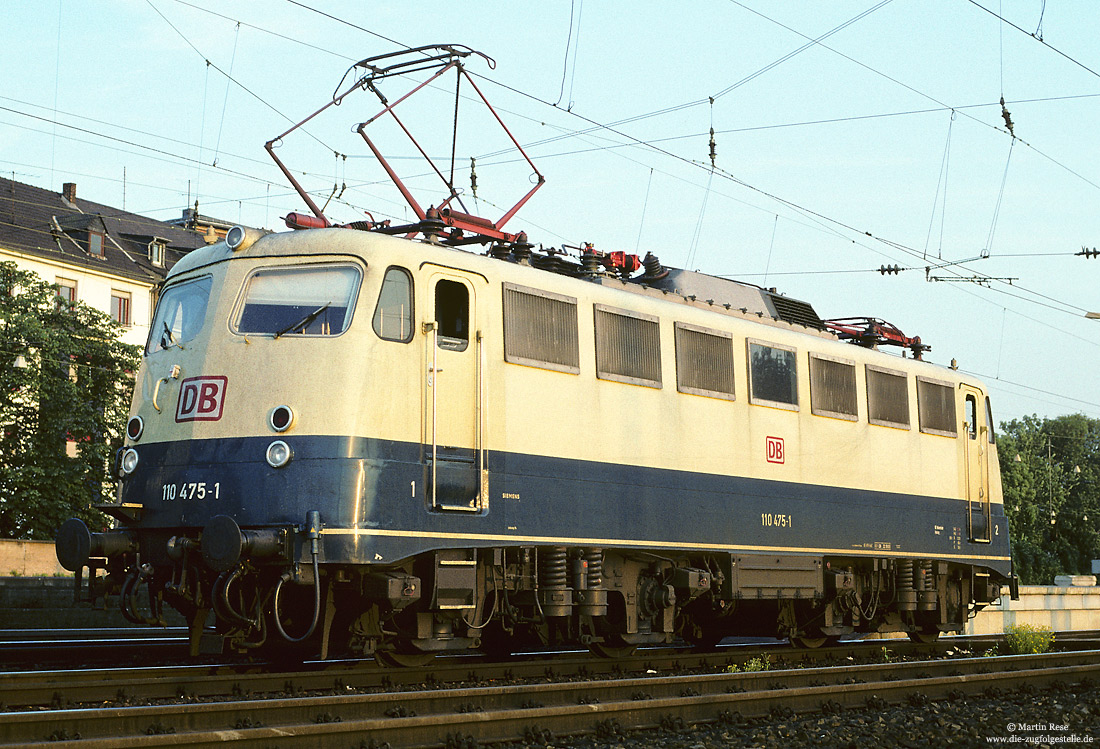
[67,687]
[503,713]
[41,688]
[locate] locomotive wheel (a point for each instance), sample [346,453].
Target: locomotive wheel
[403,656]
[497,642]
[924,636]
[612,647]
[704,638]
[812,643]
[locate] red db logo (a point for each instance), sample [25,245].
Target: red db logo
[775,450]
[201,399]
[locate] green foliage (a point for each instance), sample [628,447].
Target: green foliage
[763,663]
[64,378]
[1052,494]
[1025,639]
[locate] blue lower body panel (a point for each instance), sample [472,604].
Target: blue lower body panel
[374,501]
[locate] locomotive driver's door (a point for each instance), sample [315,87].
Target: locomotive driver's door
[976,437]
[454,455]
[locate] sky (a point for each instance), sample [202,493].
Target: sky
[849,136]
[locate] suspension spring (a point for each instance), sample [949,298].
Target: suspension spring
[594,557]
[927,581]
[553,568]
[906,581]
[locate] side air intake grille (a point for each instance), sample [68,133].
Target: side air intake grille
[796,312]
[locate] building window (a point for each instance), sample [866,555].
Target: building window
[393,315]
[156,253]
[773,375]
[95,244]
[540,329]
[887,398]
[120,307]
[936,407]
[832,387]
[704,361]
[66,293]
[628,347]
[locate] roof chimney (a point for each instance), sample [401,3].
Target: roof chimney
[68,191]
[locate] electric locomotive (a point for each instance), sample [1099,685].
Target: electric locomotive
[370,440]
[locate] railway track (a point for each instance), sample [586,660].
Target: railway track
[39,688]
[501,713]
[331,707]
[56,647]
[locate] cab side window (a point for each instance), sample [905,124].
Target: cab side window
[452,314]
[393,315]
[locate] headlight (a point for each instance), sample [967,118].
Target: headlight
[129,461]
[278,454]
[281,418]
[240,238]
[134,427]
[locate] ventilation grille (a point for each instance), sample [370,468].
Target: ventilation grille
[628,347]
[540,329]
[832,388]
[936,405]
[704,362]
[887,398]
[796,312]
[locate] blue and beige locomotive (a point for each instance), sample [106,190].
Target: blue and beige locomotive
[368,439]
[374,444]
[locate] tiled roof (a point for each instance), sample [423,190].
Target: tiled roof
[41,223]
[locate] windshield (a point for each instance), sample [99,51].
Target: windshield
[315,300]
[180,314]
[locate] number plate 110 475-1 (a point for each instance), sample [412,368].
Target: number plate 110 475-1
[197,490]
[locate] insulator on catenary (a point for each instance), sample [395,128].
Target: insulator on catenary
[654,271]
[590,263]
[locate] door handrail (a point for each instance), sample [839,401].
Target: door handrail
[433,328]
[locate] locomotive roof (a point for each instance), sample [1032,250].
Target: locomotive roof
[699,290]
[690,286]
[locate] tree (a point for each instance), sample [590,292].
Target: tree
[1050,473]
[65,383]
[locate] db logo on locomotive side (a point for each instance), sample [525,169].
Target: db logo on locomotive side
[775,450]
[201,398]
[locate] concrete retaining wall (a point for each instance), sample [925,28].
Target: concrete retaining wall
[1059,608]
[29,558]
[47,603]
